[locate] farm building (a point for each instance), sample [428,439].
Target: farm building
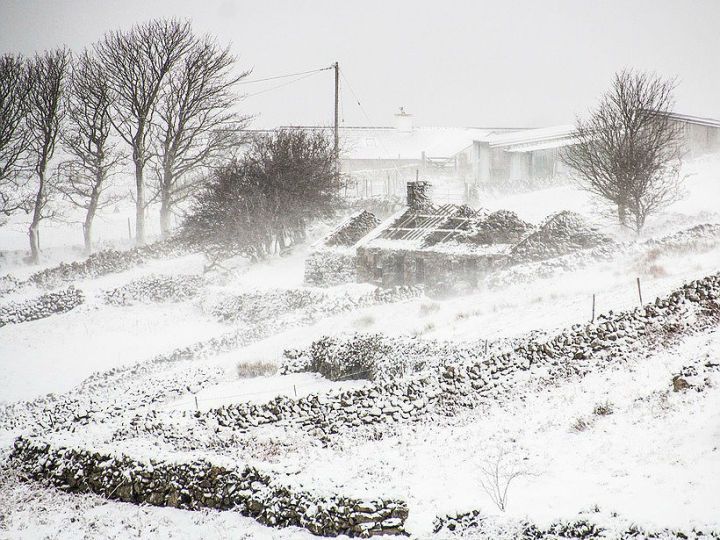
[532,156]
[432,244]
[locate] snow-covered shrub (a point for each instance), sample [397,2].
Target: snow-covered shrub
[8,283]
[155,288]
[41,307]
[603,409]
[373,356]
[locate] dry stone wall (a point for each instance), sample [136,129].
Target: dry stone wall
[457,385]
[200,484]
[41,307]
[155,288]
[329,267]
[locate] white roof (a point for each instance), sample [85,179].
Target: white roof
[533,139]
[391,143]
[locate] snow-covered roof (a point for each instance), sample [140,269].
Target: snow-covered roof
[384,142]
[699,120]
[390,143]
[534,139]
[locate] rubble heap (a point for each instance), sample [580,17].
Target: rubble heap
[560,234]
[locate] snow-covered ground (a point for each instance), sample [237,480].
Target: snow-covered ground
[655,459]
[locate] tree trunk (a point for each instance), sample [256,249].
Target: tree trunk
[139,203]
[89,217]
[37,216]
[622,214]
[165,203]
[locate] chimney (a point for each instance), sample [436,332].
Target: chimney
[417,195]
[403,121]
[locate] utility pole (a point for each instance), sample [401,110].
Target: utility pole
[337,104]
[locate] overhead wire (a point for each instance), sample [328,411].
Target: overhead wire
[282,85]
[274,77]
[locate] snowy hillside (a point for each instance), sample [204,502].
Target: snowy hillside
[160,400]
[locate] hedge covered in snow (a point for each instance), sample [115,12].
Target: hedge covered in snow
[375,357]
[41,307]
[201,484]
[155,288]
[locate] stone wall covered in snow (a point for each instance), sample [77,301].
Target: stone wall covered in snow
[108,261]
[575,351]
[154,288]
[41,307]
[201,484]
[330,267]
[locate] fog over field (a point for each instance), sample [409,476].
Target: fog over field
[285,270]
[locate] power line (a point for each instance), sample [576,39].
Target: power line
[310,74]
[253,81]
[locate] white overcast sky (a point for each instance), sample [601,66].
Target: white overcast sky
[452,63]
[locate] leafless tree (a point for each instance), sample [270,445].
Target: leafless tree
[629,150]
[14,135]
[93,156]
[197,121]
[47,77]
[138,63]
[497,473]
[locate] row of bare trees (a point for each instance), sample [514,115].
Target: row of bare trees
[156,97]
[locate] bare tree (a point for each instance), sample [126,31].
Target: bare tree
[47,74]
[629,150]
[496,475]
[138,63]
[196,120]
[93,156]
[14,135]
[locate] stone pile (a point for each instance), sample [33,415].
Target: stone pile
[201,484]
[560,234]
[155,288]
[458,523]
[353,229]
[501,227]
[41,307]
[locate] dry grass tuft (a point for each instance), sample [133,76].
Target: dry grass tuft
[257,368]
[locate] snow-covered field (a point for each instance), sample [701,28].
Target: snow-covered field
[651,454]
